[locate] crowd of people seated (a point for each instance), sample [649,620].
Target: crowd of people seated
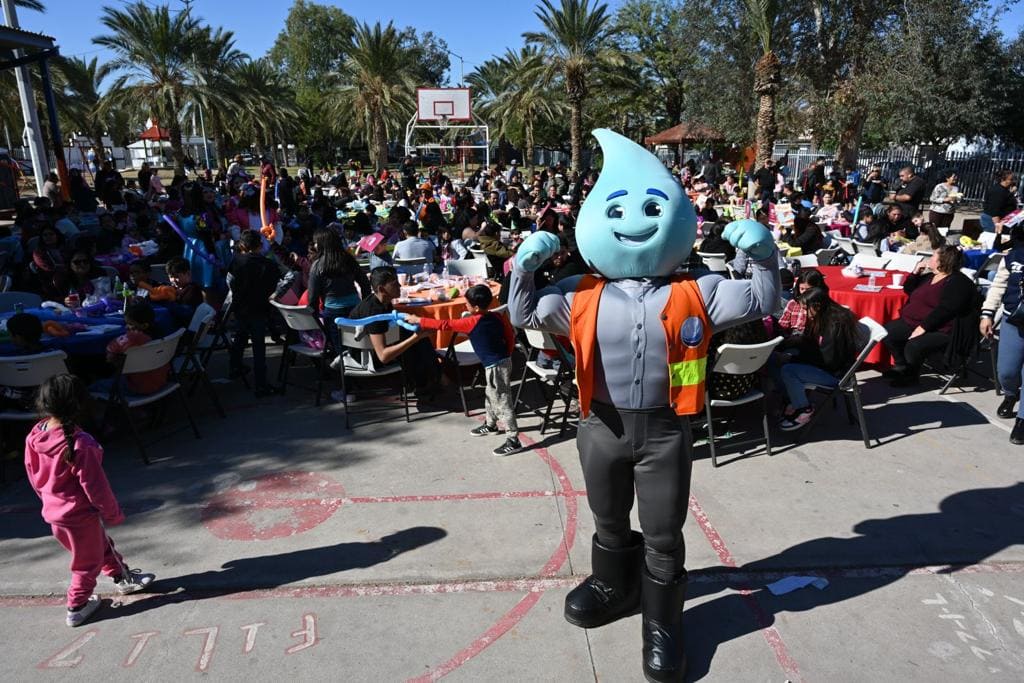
[340,240]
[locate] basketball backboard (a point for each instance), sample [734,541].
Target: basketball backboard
[443,105]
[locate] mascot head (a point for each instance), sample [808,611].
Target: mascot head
[636,221]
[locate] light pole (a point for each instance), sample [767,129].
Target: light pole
[40,164]
[462,67]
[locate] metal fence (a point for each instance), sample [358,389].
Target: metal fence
[976,170]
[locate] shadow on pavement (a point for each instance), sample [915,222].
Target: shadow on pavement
[273,571]
[969,527]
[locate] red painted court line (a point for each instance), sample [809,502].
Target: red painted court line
[515,615]
[771,634]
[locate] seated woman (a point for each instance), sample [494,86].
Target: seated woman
[929,239]
[49,263]
[806,234]
[715,243]
[828,346]
[79,278]
[937,299]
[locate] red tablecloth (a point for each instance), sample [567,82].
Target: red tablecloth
[881,306]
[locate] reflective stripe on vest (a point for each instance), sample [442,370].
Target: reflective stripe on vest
[684,314]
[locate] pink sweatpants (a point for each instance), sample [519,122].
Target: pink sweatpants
[91,552]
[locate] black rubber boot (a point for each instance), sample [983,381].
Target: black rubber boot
[1017,435]
[662,603]
[1008,408]
[613,590]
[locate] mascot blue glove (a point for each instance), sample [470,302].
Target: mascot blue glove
[750,236]
[536,249]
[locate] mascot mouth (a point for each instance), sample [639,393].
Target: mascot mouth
[635,240]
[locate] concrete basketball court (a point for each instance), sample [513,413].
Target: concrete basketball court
[287,546]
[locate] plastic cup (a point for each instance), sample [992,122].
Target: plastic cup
[897,279]
[403,279]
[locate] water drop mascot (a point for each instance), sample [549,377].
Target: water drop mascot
[640,334]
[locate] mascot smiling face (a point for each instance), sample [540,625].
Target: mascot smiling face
[637,221]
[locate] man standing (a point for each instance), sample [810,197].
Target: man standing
[910,191]
[999,202]
[765,177]
[51,190]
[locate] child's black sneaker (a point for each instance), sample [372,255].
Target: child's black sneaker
[511,445]
[485,430]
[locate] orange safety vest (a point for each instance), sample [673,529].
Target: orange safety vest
[687,335]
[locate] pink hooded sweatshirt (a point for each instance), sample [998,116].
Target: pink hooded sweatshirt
[70,493]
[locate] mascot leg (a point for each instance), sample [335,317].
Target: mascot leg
[617,552]
[662,474]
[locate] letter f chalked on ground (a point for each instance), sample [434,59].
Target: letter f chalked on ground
[272,506]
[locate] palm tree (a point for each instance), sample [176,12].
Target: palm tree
[154,51]
[77,91]
[214,65]
[524,97]
[267,111]
[375,92]
[763,16]
[575,40]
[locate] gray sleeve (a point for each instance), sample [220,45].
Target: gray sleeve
[731,302]
[546,309]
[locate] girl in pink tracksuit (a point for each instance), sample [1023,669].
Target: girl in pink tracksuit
[64,466]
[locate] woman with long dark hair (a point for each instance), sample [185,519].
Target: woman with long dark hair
[827,348]
[333,281]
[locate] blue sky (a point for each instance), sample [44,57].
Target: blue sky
[474,29]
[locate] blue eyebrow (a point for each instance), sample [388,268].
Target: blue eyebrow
[656,191]
[619,193]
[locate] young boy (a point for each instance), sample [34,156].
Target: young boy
[141,323]
[493,339]
[252,279]
[414,351]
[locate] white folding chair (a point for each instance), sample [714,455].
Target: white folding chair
[714,262]
[848,385]
[150,356]
[845,243]
[361,362]
[825,256]
[987,239]
[559,380]
[468,267]
[868,261]
[410,266]
[866,248]
[189,363]
[739,359]
[903,262]
[301,319]
[460,355]
[9,300]
[807,261]
[24,372]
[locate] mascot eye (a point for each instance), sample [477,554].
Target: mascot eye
[615,211]
[652,209]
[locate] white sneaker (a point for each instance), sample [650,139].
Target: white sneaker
[133,582]
[79,617]
[338,396]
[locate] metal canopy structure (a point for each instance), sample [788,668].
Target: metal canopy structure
[18,49]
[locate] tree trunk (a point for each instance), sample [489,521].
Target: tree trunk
[575,133]
[528,152]
[849,138]
[220,146]
[766,80]
[378,145]
[177,150]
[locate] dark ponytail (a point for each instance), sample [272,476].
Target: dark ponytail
[64,398]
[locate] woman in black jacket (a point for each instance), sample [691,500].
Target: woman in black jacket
[925,325]
[806,234]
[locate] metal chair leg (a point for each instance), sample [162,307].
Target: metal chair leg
[188,413]
[135,434]
[711,431]
[764,421]
[860,417]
